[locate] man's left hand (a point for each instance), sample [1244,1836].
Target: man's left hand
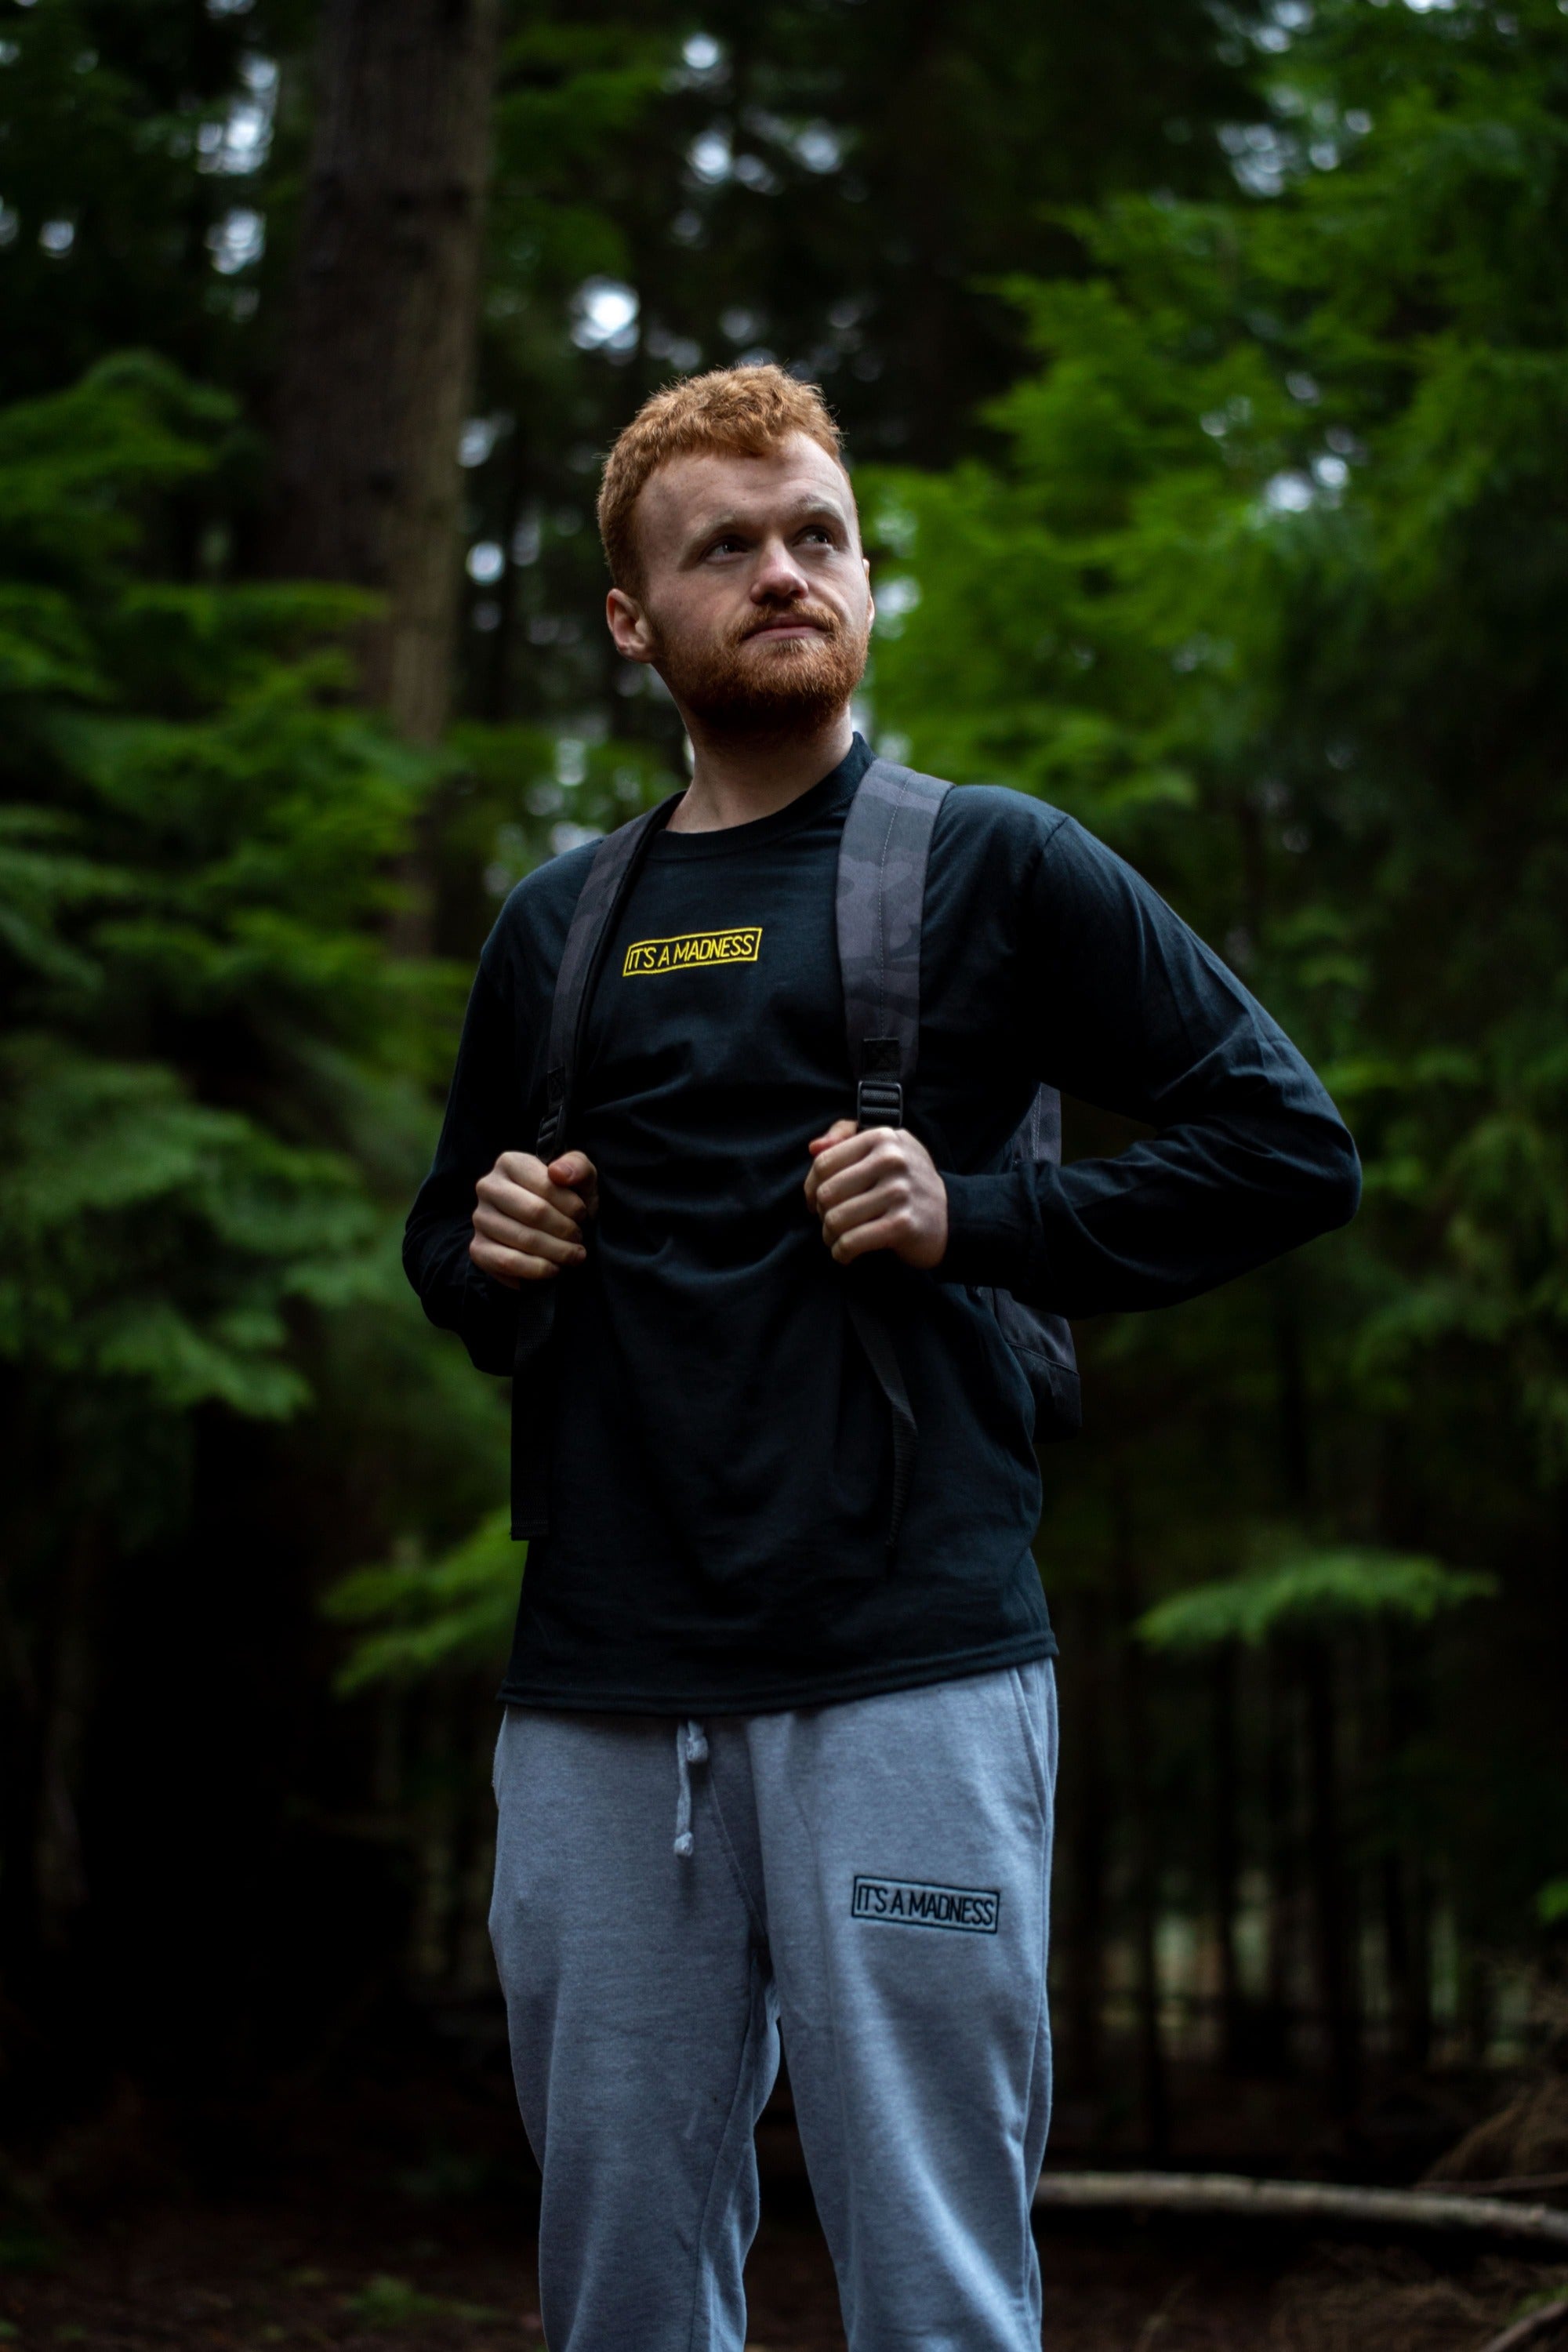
[877,1188]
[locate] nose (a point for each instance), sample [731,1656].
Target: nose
[778,578]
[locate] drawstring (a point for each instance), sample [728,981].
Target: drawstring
[690,1748]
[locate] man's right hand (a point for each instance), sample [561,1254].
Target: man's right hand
[528,1217]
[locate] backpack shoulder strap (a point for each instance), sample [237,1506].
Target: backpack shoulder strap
[882,861]
[880,901]
[599,903]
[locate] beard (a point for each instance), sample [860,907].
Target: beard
[781,690]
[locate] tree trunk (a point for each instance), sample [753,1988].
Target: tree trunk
[435,1843]
[473,1961]
[1153,2080]
[376,372]
[1295,1427]
[1227,1856]
[1405,1877]
[1146,1920]
[1334,1942]
[1086,1817]
[61,1876]
[1315,2202]
[1272,2052]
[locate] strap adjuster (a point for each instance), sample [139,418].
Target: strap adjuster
[880,1102]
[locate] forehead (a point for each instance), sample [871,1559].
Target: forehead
[690,494]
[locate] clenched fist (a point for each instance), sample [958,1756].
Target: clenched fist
[877,1188]
[527,1218]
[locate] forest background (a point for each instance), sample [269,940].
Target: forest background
[1205,377]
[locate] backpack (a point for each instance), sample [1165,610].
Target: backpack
[880,906]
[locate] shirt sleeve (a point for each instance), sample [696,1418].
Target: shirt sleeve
[485,1116]
[1125,1008]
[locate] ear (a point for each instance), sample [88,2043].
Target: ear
[628,624]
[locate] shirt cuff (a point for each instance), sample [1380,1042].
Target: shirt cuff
[989,1233]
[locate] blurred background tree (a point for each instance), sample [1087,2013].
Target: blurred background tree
[1204,375]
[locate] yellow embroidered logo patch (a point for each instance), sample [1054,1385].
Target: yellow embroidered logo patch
[694,950]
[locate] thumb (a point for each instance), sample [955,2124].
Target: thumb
[574,1169]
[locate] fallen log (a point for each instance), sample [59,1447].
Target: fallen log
[1216,2194]
[1529,2329]
[1516,2184]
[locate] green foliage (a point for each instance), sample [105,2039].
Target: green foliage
[388,2301]
[1552,1902]
[1265,592]
[455,1611]
[1263,583]
[839,193]
[1257,567]
[122,166]
[1312,1592]
[196,837]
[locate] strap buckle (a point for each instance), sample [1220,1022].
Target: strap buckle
[880,1102]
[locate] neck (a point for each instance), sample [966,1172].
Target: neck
[734,781]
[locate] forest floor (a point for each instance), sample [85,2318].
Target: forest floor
[285,2279]
[395,2213]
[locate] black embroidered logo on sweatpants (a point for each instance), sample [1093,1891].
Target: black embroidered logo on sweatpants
[905,1903]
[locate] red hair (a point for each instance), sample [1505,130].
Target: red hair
[741,412]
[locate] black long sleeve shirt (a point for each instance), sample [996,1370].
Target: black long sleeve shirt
[720,1450]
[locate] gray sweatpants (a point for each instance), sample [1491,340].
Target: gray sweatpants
[874,1878]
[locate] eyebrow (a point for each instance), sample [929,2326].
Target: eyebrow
[817,507]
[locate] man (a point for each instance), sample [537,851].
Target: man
[755,1767]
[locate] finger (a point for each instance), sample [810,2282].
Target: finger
[578,1173]
[572,1170]
[521,1169]
[506,1234]
[840,1129]
[882,1232]
[518,1207]
[862,1175]
[863,1210]
[833,1158]
[850,1147]
[509,1265]
[508,1192]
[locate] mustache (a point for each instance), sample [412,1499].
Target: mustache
[809,615]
